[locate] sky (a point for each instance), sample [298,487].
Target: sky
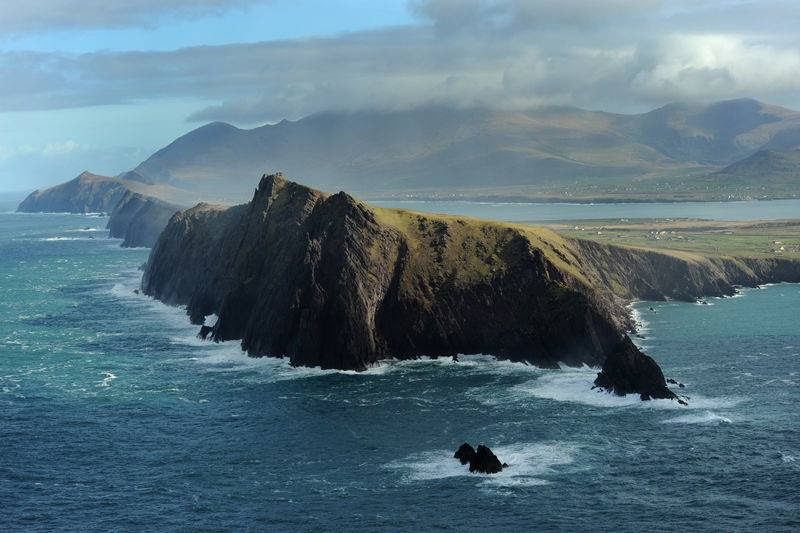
[98,85]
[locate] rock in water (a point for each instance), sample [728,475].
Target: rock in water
[629,371]
[465,453]
[485,461]
[205,331]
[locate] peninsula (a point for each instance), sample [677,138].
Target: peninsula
[330,281]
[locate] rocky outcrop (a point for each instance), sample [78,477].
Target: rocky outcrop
[464,453]
[482,460]
[134,216]
[328,281]
[485,461]
[139,219]
[627,370]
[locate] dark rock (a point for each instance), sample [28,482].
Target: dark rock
[135,291]
[675,382]
[628,371]
[329,281]
[139,219]
[205,331]
[485,461]
[465,453]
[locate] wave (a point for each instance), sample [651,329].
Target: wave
[55,239]
[574,385]
[529,464]
[106,381]
[706,418]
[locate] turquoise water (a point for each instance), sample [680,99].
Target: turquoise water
[113,416]
[521,212]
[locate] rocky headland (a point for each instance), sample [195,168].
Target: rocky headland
[329,281]
[135,214]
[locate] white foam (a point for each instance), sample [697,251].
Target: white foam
[58,239]
[106,381]
[529,464]
[229,357]
[575,385]
[706,418]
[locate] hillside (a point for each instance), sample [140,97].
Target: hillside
[766,169]
[540,154]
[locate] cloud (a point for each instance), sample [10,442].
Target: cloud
[45,15]
[622,55]
[459,15]
[23,167]
[54,149]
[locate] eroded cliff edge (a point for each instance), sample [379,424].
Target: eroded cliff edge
[329,281]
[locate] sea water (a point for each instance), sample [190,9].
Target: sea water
[114,416]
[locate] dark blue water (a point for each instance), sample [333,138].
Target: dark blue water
[113,416]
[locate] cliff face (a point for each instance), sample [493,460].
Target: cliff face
[139,219]
[328,281]
[135,217]
[632,273]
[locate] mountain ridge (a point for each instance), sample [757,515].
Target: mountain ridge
[442,149]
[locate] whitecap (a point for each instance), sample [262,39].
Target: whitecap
[87,230]
[641,325]
[529,464]
[574,385]
[59,239]
[706,418]
[106,381]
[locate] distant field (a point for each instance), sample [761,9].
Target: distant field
[754,239]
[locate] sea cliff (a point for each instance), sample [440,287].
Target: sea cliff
[329,281]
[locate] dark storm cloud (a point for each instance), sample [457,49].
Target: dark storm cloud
[619,55]
[24,16]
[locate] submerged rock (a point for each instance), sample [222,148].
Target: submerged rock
[465,453]
[675,382]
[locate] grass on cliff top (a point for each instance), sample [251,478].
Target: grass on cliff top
[774,239]
[474,245]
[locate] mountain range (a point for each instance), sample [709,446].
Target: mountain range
[735,149]
[549,153]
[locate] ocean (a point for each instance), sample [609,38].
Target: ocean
[114,416]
